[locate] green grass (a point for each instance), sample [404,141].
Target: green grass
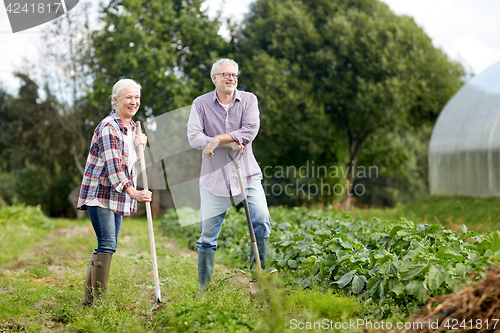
[19,225]
[42,276]
[336,307]
[478,214]
[43,264]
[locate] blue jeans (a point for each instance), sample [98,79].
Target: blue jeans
[107,226]
[215,208]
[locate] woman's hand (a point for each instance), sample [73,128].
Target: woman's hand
[141,139]
[141,196]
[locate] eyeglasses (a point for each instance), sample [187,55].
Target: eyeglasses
[228,75]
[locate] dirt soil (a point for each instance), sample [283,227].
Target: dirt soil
[475,308]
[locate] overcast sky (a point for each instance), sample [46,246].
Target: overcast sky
[468,30]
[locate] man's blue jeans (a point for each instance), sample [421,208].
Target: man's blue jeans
[107,226]
[215,208]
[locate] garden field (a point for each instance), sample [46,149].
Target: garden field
[333,269]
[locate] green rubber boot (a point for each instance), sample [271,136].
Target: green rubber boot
[100,283]
[262,243]
[206,262]
[88,294]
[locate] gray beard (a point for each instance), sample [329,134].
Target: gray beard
[229,91]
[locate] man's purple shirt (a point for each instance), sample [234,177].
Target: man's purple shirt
[207,119]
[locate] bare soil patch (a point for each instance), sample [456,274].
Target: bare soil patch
[475,308]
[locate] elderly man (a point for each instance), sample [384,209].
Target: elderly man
[226,118]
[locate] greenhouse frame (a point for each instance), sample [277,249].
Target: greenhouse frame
[464,152]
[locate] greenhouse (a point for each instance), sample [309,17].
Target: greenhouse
[464,153]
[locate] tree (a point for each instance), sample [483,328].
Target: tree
[45,132]
[336,73]
[64,65]
[166,46]
[404,172]
[34,150]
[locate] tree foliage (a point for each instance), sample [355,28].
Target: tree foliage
[340,83]
[166,46]
[336,77]
[35,149]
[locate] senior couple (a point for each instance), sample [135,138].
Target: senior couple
[223,118]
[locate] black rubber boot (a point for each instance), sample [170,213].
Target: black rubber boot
[262,243]
[103,265]
[88,294]
[206,262]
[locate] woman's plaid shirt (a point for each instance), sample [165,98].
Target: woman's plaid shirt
[106,172]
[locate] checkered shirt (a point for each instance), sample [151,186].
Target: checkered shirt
[106,173]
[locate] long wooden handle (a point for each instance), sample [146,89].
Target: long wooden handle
[249,219]
[150,219]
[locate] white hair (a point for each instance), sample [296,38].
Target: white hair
[222,62]
[120,86]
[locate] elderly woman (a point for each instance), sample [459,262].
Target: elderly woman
[108,191]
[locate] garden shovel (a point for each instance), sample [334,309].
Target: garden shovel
[237,164]
[150,222]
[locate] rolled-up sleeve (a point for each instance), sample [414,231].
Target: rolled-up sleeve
[112,156]
[195,128]
[250,123]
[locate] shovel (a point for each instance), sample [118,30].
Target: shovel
[237,164]
[150,223]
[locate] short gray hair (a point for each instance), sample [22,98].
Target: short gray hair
[221,62]
[120,86]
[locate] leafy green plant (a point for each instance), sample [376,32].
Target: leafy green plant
[380,261]
[233,238]
[396,265]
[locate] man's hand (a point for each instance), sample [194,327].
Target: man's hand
[221,141]
[234,146]
[209,149]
